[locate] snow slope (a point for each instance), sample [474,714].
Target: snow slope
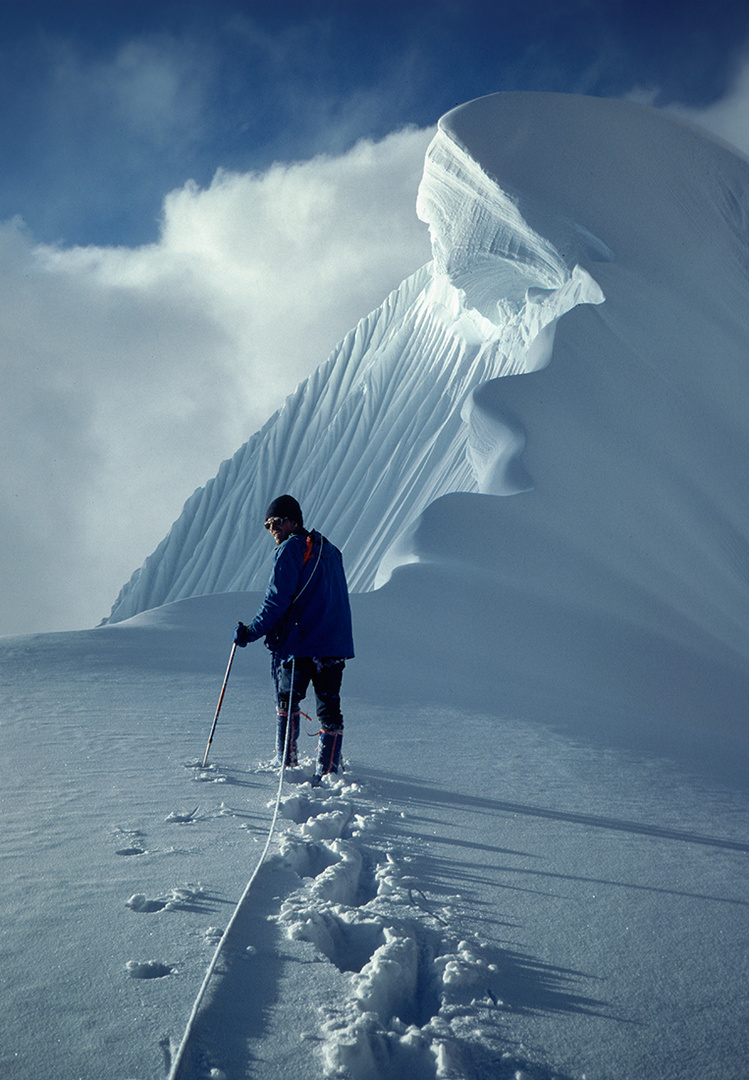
[478,897]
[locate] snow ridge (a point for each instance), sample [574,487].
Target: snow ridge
[382,428]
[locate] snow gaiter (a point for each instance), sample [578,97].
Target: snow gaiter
[329,751]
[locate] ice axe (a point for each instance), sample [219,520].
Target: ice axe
[220,700]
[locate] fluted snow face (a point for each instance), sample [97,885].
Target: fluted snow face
[579,345]
[388,424]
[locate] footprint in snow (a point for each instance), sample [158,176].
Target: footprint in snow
[140,902]
[208,775]
[411,988]
[181,816]
[148,969]
[183,897]
[134,838]
[319,818]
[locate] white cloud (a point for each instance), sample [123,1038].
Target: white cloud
[129,374]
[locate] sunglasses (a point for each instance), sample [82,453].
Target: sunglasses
[273,523]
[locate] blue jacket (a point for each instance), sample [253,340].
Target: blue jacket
[306,610]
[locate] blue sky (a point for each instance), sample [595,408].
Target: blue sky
[198,200]
[108,105]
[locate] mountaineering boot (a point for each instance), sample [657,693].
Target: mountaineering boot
[292,758]
[328,753]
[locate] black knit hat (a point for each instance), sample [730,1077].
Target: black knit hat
[285,506]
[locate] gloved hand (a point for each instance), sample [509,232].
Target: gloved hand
[241,635]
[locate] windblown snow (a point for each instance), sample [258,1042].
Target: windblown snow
[533,456]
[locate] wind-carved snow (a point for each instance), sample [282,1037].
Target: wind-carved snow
[621,556]
[640,418]
[386,425]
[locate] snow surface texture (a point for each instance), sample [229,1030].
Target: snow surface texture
[477,898]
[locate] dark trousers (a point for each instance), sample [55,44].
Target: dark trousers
[326,682]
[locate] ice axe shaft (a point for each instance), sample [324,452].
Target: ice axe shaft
[220,700]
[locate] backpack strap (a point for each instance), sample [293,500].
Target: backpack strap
[305,559]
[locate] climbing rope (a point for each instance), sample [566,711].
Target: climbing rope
[178,1057]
